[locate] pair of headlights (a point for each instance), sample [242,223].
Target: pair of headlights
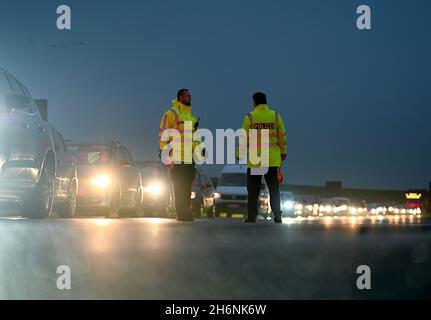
[105,181]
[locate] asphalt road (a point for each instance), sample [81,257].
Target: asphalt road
[215,259]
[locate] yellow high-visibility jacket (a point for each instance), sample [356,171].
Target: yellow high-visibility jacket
[263,118]
[175,118]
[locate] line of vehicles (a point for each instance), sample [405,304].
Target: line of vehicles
[341,206]
[41,172]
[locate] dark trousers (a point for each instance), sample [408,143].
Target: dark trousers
[182,176]
[253,187]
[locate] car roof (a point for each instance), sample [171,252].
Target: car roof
[149,163]
[89,145]
[235,169]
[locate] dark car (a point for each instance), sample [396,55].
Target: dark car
[202,197]
[158,190]
[66,178]
[109,182]
[27,155]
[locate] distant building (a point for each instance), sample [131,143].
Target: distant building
[334,188]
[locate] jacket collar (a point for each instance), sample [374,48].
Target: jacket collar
[262,107]
[180,106]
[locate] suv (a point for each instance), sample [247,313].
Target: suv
[27,155]
[109,182]
[202,197]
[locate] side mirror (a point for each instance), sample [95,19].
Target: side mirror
[124,163]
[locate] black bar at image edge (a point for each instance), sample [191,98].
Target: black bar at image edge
[217,309]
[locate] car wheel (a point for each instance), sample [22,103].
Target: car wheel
[217,211]
[68,209]
[136,212]
[197,210]
[114,210]
[39,203]
[139,205]
[210,212]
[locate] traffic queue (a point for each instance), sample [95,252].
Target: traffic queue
[41,173]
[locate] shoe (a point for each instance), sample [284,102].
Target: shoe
[185,218]
[278,219]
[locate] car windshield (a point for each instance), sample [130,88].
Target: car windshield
[286,196]
[88,155]
[341,202]
[233,180]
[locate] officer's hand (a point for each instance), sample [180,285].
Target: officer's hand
[283,157]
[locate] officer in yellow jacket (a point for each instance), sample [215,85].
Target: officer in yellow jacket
[182,167]
[273,147]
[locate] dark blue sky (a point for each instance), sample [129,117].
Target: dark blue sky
[357,104]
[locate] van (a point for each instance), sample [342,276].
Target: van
[231,193]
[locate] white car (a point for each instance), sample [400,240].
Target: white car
[231,194]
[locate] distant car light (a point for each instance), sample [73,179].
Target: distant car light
[217,195]
[193,195]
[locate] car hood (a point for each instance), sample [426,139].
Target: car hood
[235,190]
[150,180]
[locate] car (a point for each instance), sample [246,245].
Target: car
[326,207]
[158,196]
[27,155]
[287,200]
[202,196]
[109,182]
[341,205]
[231,193]
[66,178]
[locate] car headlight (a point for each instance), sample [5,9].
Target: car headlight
[193,195]
[288,205]
[154,189]
[217,195]
[101,181]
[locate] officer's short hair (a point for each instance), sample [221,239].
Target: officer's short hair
[259,98]
[181,92]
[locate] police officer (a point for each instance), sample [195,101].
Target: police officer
[263,118]
[182,170]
